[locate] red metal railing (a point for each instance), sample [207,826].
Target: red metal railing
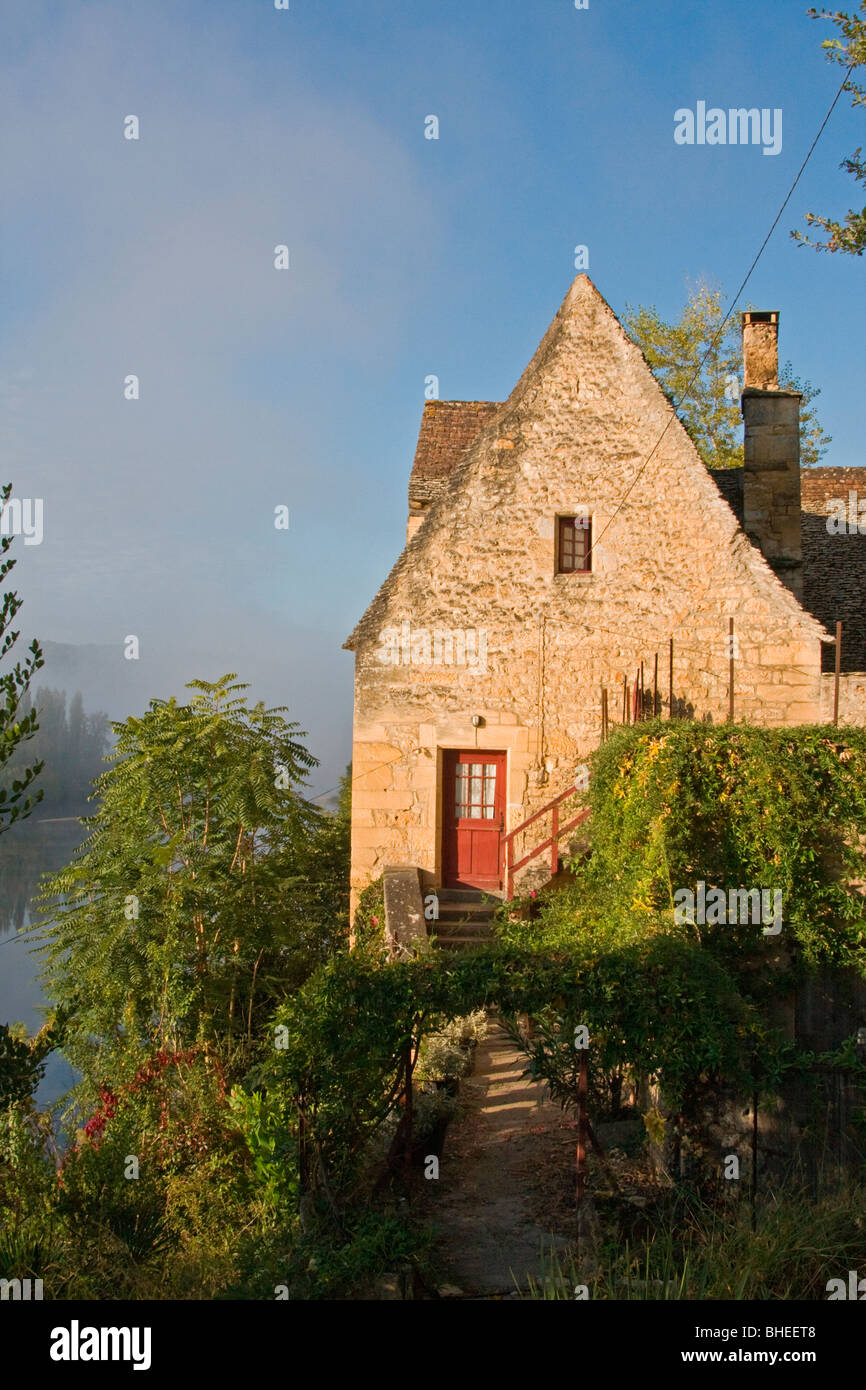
[552,843]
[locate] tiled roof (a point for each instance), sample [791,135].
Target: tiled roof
[834,567]
[447,430]
[729,481]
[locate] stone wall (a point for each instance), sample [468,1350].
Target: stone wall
[772,516]
[669,560]
[852,697]
[810,1133]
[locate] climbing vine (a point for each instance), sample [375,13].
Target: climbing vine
[687,1004]
[741,807]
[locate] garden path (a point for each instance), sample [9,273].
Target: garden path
[506,1162]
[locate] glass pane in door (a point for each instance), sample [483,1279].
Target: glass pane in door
[489,797]
[475,791]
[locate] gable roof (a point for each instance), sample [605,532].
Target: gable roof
[447,430]
[583,347]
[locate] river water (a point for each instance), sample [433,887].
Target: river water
[27,850]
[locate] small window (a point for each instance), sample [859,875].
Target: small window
[574,544]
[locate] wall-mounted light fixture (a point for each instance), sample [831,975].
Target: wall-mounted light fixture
[477,721]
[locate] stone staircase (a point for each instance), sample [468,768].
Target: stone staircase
[465,919]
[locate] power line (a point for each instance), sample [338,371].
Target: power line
[686,394]
[365,773]
[327,793]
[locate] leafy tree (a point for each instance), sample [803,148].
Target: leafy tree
[174,924]
[14,729]
[848,236]
[709,405]
[321,902]
[21,1067]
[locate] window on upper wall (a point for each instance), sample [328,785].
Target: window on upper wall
[574,544]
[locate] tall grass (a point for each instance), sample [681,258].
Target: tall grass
[695,1251]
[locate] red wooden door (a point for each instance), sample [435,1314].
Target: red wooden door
[473,818]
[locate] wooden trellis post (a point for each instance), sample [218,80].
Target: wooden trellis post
[838,671]
[671,682]
[408,1111]
[303,1159]
[731,670]
[582,1088]
[656,688]
[753,1194]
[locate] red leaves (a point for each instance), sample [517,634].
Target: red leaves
[158,1063]
[95,1127]
[145,1076]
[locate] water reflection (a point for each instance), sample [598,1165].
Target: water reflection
[28,850]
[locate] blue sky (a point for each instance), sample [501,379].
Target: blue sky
[408,257]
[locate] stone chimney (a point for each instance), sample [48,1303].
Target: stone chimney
[771,475]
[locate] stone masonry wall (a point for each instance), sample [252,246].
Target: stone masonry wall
[852,697]
[669,560]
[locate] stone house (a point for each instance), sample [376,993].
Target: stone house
[557,540]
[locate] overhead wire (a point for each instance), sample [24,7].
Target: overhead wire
[714,340]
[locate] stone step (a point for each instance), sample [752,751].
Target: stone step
[473,911]
[457,928]
[460,926]
[460,936]
[460,895]
[465,919]
[460,943]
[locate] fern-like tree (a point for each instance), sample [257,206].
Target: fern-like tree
[849,51]
[175,923]
[16,727]
[19,1062]
[698,362]
[320,905]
